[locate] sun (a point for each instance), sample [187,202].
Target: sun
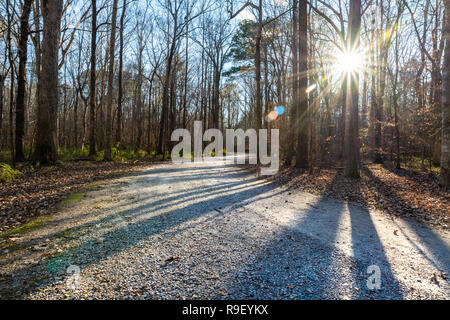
[348,62]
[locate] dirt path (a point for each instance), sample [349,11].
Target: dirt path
[210,231]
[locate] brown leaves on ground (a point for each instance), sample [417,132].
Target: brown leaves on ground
[397,192]
[172,259]
[37,192]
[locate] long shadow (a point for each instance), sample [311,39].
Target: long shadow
[294,264]
[164,203]
[91,252]
[180,196]
[187,168]
[302,262]
[438,250]
[191,177]
[368,249]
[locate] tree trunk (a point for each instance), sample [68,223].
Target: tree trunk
[215,102]
[120,94]
[21,80]
[302,133]
[112,50]
[46,150]
[445,152]
[293,110]
[258,113]
[11,91]
[165,104]
[353,148]
[382,61]
[92,151]
[2,90]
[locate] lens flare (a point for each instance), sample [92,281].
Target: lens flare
[348,62]
[279,110]
[272,116]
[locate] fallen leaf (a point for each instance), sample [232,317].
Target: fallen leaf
[172,259]
[434,278]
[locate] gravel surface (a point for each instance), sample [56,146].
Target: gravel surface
[209,231]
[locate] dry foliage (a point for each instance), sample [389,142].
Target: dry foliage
[397,192]
[38,192]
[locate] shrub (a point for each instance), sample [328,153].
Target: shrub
[7,173]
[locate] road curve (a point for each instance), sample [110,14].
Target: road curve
[214,231]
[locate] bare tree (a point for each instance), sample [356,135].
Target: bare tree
[46,149]
[112,50]
[21,80]
[352,130]
[120,93]
[302,108]
[445,152]
[92,81]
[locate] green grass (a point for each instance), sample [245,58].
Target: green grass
[71,154]
[68,233]
[94,184]
[121,155]
[73,198]
[415,164]
[74,154]
[30,226]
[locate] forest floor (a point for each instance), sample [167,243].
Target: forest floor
[38,192]
[214,231]
[398,193]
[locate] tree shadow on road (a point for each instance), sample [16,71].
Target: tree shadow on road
[238,193]
[431,245]
[301,261]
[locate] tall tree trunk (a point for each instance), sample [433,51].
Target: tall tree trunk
[293,110]
[382,61]
[186,70]
[21,80]
[165,104]
[112,50]
[353,148]
[138,100]
[373,90]
[445,152]
[266,87]
[11,91]
[258,113]
[397,134]
[302,133]
[216,97]
[46,149]
[2,90]
[92,84]
[120,93]
[150,111]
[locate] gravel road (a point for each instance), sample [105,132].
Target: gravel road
[212,231]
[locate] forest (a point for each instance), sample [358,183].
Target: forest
[359,81]
[358,89]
